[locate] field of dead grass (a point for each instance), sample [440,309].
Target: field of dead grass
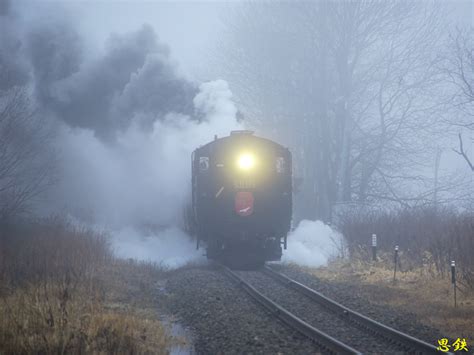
[63,292]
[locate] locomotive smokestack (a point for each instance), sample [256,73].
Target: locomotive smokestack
[242,131]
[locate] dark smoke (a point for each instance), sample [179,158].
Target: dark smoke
[13,68]
[55,53]
[155,90]
[4,7]
[133,80]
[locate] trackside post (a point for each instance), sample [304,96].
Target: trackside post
[374,247]
[395,261]
[453,280]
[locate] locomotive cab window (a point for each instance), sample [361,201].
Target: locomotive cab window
[280,165]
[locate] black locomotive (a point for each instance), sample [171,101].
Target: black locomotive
[242,197]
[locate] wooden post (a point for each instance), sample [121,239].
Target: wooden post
[395,261]
[453,280]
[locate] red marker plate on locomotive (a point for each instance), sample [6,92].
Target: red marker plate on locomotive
[244,203]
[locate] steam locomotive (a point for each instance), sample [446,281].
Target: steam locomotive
[242,198]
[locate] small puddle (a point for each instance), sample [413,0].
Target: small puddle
[183,340]
[182,337]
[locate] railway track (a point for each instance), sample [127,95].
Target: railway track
[332,326]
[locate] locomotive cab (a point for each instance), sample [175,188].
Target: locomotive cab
[241,197]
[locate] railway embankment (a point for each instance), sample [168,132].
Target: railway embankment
[417,302]
[224,319]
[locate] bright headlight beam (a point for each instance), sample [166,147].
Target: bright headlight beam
[246,161]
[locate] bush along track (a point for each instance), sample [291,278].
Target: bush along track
[61,291]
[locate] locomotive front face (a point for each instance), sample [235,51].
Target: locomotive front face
[242,190]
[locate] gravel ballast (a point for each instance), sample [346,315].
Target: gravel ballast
[224,319]
[319,316]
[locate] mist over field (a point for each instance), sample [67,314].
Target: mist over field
[373,101]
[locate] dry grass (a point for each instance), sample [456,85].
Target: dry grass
[40,319]
[440,235]
[428,239]
[418,291]
[62,292]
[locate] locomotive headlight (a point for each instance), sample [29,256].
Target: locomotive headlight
[246,161]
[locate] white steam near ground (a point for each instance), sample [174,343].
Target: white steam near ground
[312,244]
[170,248]
[125,123]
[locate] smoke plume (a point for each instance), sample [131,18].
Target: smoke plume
[126,124]
[134,81]
[13,66]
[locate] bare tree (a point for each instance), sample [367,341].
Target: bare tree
[347,85]
[26,156]
[459,68]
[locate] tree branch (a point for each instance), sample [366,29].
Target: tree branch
[462,153]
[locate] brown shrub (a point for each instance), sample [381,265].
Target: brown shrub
[48,318]
[50,249]
[426,237]
[53,297]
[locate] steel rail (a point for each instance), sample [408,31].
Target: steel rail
[376,327]
[331,344]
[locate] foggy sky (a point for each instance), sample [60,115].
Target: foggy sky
[189,28]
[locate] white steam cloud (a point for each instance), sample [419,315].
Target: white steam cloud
[311,244]
[137,187]
[170,248]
